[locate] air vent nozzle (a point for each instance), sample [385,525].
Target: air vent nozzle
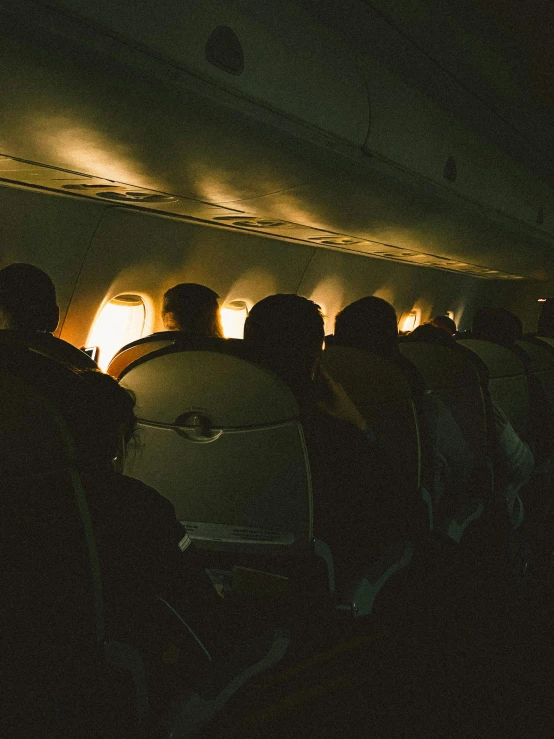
[223,50]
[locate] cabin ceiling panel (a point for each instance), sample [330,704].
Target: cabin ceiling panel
[184,155]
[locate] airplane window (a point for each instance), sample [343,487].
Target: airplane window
[233,316]
[119,322]
[410,321]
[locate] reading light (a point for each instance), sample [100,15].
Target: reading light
[541,300]
[233,315]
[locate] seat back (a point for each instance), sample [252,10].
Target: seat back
[546,339]
[382,394]
[451,376]
[48,345]
[507,381]
[222,440]
[542,365]
[148,344]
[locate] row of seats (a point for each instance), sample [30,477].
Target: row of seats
[222,439]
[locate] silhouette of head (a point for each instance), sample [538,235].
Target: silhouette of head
[286,331]
[498,325]
[27,299]
[369,323]
[431,334]
[445,323]
[100,413]
[546,318]
[192,308]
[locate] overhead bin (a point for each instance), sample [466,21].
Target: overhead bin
[275,57]
[280,149]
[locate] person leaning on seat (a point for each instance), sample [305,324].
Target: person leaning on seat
[370,324]
[29,314]
[192,309]
[285,334]
[144,551]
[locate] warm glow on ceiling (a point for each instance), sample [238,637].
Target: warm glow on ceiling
[119,322]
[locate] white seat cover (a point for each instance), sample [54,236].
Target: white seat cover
[221,439]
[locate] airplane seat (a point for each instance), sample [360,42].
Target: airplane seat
[383,395]
[148,344]
[57,680]
[539,499]
[48,345]
[221,438]
[507,381]
[452,377]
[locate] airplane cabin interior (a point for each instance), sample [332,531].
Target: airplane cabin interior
[336,152]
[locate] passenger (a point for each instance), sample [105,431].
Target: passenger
[431,334]
[445,323]
[370,324]
[498,325]
[143,549]
[29,314]
[144,552]
[193,309]
[515,460]
[447,461]
[285,333]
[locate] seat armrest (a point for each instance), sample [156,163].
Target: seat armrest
[196,710]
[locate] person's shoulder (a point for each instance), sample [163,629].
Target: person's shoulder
[53,347]
[140,494]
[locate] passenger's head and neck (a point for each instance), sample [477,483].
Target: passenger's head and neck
[286,333]
[498,325]
[27,300]
[369,324]
[100,414]
[444,323]
[193,309]
[429,333]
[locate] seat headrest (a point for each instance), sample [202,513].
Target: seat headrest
[542,359]
[367,378]
[443,367]
[231,392]
[501,362]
